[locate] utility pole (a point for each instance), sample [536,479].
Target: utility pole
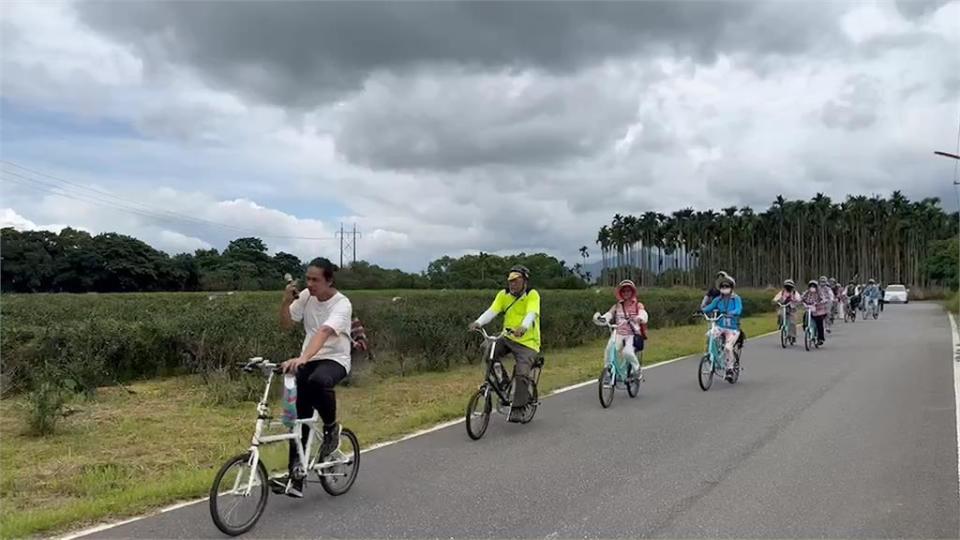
[348,243]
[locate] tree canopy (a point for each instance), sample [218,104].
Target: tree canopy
[75,261]
[889,239]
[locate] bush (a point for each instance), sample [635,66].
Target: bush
[103,339]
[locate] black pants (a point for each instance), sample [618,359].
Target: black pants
[315,382]
[818,322]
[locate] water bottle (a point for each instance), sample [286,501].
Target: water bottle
[289,415]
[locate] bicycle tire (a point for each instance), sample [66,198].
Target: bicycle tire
[705,362]
[327,483]
[606,392]
[531,409]
[806,337]
[476,432]
[263,492]
[633,386]
[783,338]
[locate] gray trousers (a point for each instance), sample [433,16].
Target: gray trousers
[525,357]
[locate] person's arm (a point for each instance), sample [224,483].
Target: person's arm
[737,308]
[642,316]
[291,309]
[488,315]
[711,306]
[533,311]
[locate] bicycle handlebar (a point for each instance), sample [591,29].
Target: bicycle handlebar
[714,318]
[488,337]
[258,362]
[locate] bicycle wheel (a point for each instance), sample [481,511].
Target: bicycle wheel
[706,372]
[806,336]
[478,414]
[633,382]
[531,408]
[783,338]
[605,387]
[233,510]
[339,478]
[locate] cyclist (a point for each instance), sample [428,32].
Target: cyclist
[520,306]
[631,318]
[871,293]
[324,360]
[827,292]
[789,296]
[817,299]
[852,293]
[713,291]
[838,299]
[730,305]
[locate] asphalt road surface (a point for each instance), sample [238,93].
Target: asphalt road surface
[857,439]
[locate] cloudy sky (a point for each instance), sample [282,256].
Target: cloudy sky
[444,128]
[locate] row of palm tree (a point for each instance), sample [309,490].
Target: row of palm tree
[884,238]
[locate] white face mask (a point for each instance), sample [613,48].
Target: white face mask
[812,289]
[725,290]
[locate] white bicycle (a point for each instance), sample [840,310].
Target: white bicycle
[242,482]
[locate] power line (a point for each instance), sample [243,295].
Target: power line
[93,196]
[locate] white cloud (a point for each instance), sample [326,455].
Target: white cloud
[434,160]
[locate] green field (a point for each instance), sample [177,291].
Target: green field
[159,437]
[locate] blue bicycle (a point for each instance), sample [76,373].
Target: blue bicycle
[713,363]
[616,373]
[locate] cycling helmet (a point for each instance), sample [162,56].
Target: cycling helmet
[813,283]
[823,279]
[872,281]
[722,274]
[519,271]
[728,281]
[789,283]
[626,284]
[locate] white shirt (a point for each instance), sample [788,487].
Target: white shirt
[335,313]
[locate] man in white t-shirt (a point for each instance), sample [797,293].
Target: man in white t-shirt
[324,359]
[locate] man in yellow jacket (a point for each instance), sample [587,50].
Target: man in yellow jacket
[520,306]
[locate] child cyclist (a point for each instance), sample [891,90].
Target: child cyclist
[729,305]
[631,319]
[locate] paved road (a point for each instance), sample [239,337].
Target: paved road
[855,440]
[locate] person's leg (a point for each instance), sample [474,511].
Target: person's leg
[791,323]
[629,354]
[306,403]
[500,349]
[729,341]
[324,378]
[818,322]
[525,357]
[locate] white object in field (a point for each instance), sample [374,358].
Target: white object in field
[396,299]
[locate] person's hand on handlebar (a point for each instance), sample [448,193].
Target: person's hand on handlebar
[519,331]
[292,365]
[473,326]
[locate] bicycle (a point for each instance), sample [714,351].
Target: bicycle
[809,328]
[496,383]
[713,363]
[850,310]
[616,372]
[250,483]
[871,309]
[785,323]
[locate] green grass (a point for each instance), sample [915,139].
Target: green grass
[122,454]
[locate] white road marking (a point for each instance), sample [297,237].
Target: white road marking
[956,387]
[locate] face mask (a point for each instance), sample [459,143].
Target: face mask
[812,289]
[725,290]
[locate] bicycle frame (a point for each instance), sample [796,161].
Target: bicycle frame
[264,420]
[810,327]
[714,349]
[612,357]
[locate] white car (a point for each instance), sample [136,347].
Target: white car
[896,294]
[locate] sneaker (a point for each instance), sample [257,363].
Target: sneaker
[295,488]
[516,414]
[331,440]
[729,376]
